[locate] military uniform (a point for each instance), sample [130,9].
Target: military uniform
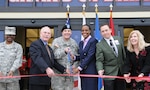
[58,46]
[10,60]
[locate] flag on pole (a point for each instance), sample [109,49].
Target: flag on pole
[111,22]
[83,18]
[97,30]
[98,37]
[83,23]
[68,20]
[68,26]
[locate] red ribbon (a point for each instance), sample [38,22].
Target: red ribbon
[147,78]
[81,75]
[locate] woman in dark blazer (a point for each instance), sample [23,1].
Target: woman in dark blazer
[138,60]
[87,49]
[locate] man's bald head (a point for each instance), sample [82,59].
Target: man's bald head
[45,33]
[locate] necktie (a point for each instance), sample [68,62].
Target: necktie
[49,53]
[113,47]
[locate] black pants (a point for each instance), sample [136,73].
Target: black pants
[39,87]
[117,84]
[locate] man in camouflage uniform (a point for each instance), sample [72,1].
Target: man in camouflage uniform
[61,47]
[10,60]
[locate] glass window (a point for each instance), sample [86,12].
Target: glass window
[74,3]
[146,2]
[1,36]
[127,2]
[2,3]
[126,34]
[20,3]
[76,35]
[101,2]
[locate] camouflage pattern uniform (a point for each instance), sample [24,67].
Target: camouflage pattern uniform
[10,60]
[58,46]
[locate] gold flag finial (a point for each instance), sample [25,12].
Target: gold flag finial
[96,8]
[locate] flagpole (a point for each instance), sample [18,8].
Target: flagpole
[68,54]
[83,17]
[97,30]
[111,20]
[83,23]
[68,9]
[97,36]
[83,7]
[83,13]
[111,6]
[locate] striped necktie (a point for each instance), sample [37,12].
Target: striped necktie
[113,47]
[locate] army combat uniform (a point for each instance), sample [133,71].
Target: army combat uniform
[10,60]
[58,46]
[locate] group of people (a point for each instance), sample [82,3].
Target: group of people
[65,56]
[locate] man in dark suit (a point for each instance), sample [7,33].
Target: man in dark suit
[110,56]
[42,62]
[87,50]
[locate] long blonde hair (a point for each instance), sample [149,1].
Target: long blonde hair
[141,42]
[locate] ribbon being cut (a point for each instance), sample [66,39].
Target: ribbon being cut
[146,78]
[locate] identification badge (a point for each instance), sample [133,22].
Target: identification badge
[117,42]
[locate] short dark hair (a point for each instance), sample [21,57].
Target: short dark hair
[105,24]
[87,26]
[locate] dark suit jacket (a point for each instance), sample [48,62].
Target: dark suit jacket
[88,64]
[138,64]
[40,62]
[107,60]
[87,57]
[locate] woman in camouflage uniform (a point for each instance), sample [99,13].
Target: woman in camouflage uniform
[10,60]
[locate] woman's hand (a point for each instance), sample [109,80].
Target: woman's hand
[140,75]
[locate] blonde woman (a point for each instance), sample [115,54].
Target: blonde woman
[137,61]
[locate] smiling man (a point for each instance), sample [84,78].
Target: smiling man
[110,57]
[63,46]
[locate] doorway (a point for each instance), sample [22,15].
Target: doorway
[145,30]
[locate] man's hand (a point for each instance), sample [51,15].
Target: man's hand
[72,56]
[1,74]
[127,77]
[10,73]
[76,70]
[56,45]
[50,72]
[101,72]
[67,49]
[68,71]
